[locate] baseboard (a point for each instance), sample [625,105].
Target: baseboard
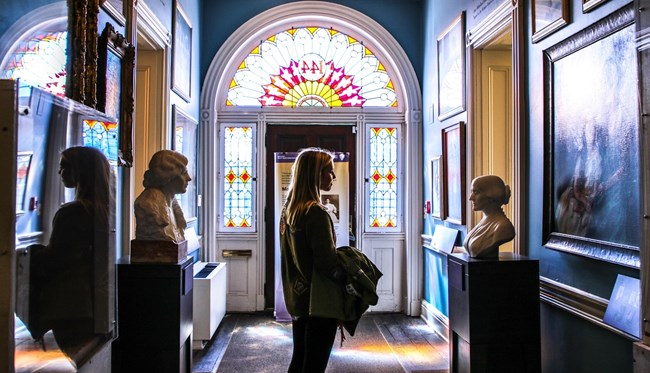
[435,319]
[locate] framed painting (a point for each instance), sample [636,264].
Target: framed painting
[548,16]
[592,167]
[115,92]
[451,69]
[185,139]
[453,154]
[588,5]
[437,188]
[181,53]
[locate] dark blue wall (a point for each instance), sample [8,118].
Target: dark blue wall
[12,10]
[569,344]
[403,19]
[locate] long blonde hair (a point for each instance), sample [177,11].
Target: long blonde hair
[304,189]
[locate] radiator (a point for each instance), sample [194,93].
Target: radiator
[209,300]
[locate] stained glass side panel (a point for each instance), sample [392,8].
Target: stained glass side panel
[238,178]
[40,61]
[311,67]
[383,177]
[103,136]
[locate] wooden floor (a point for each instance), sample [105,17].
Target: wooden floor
[383,343]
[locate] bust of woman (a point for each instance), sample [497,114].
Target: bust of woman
[489,193]
[158,215]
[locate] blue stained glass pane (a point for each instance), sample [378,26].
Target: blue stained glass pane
[383,178]
[103,136]
[238,178]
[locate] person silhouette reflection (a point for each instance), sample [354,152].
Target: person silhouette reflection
[62,286]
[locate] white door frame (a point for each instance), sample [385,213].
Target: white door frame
[151,130]
[511,15]
[407,86]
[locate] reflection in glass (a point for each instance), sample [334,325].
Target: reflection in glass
[62,280]
[65,239]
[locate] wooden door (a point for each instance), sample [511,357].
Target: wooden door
[292,138]
[496,122]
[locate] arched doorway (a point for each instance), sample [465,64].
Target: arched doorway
[396,246]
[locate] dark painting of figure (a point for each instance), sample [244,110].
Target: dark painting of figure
[595,144]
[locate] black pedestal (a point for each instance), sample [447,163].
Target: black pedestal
[154,318]
[494,314]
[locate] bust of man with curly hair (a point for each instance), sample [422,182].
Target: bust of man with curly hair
[158,216]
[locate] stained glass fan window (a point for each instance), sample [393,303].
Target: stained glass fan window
[311,67]
[383,177]
[40,61]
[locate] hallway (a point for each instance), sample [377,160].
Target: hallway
[383,343]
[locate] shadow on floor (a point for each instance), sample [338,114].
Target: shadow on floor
[383,343]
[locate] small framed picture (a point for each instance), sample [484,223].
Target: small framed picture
[453,153]
[116,9]
[185,141]
[588,5]
[451,69]
[181,53]
[548,16]
[437,188]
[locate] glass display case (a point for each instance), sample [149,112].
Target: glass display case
[62,270]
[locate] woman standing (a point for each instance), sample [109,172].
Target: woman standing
[308,249]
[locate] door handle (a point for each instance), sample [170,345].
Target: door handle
[236,253]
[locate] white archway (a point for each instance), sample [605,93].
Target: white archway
[394,58]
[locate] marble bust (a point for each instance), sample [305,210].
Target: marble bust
[158,215]
[488,194]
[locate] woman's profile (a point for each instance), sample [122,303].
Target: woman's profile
[488,194]
[63,287]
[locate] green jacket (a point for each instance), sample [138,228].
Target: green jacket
[319,280]
[308,250]
[360,285]
[350,293]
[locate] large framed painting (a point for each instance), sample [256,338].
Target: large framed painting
[451,69]
[453,153]
[548,16]
[591,122]
[181,53]
[437,188]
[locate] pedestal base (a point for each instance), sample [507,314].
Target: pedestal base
[149,251]
[494,317]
